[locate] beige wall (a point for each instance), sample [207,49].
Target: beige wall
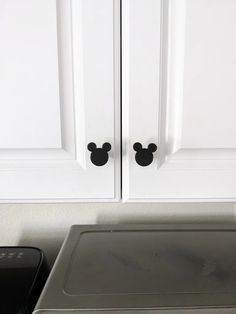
[45,226]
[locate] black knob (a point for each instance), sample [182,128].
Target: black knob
[99,156]
[144,156]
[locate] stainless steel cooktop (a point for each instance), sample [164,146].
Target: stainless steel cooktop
[144,269]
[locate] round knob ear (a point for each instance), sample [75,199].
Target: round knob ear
[152,147]
[137,147]
[106,147]
[91,147]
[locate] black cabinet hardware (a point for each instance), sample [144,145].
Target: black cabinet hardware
[99,156]
[144,156]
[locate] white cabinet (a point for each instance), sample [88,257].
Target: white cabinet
[59,91]
[179,92]
[60,73]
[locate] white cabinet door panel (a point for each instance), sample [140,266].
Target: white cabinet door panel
[59,90]
[29,75]
[179,92]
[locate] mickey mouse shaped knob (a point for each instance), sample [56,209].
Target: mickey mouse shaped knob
[99,156]
[144,156]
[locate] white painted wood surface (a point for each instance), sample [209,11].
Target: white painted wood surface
[59,90]
[179,78]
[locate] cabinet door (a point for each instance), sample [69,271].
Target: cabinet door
[179,92]
[59,91]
